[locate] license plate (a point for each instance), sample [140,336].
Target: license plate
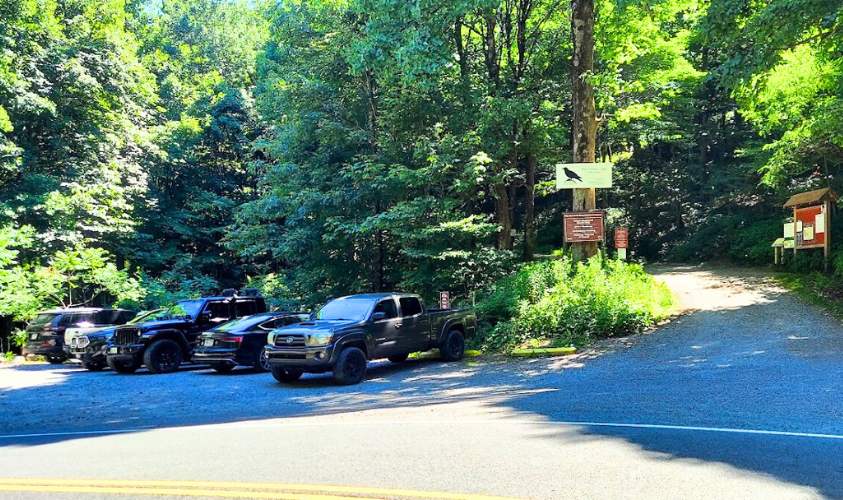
[113,350]
[209,342]
[33,336]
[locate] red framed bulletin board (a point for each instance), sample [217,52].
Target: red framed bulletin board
[811,226]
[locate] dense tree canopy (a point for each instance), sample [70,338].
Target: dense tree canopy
[150,149]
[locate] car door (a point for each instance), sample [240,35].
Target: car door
[386,332]
[414,331]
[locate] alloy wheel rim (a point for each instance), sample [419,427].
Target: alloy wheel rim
[263,360]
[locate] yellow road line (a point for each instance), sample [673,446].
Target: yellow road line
[182,492]
[236,486]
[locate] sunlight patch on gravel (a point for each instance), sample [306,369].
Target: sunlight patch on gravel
[12,378]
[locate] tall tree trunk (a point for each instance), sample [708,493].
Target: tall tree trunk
[530,208]
[584,127]
[503,215]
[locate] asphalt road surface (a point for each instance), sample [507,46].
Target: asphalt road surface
[741,397]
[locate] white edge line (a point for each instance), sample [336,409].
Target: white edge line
[441,422]
[75,433]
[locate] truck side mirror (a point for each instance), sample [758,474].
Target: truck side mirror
[204,317]
[379,316]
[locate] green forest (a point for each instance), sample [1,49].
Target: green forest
[159,149]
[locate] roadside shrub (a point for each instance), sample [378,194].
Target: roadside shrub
[563,303]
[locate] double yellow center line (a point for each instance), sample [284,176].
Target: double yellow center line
[221,489]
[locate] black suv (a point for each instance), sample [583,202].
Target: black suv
[45,333]
[168,337]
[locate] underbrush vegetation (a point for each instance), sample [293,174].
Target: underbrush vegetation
[560,302]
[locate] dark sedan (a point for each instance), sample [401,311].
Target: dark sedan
[241,342]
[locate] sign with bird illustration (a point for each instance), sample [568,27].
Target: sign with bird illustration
[583,175]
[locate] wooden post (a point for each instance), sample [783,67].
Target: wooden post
[826,233]
[584,126]
[794,232]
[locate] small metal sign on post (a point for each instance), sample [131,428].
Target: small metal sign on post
[444,300]
[621,241]
[583,175]
[583,226]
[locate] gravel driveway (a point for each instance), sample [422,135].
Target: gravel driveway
[739,397]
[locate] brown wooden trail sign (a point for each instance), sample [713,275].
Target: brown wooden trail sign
[584,226]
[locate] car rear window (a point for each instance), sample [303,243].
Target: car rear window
[43,319]
[73,319]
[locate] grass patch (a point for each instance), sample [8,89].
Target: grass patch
[543,352]
[560,303]
[817,289]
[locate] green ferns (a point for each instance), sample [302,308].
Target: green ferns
[562,303]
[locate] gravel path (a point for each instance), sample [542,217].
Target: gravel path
[721,402]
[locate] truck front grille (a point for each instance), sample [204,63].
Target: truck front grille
[127,336]
[289,341]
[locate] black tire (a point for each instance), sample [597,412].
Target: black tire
[262,364]
[93,366]
[399,358]
[351,366]
[163,356]
[222,367]
[286,375]
[55,360]
[453,346]
[122,366]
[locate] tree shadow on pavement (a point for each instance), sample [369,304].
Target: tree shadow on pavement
[739,368]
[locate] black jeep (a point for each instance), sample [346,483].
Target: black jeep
[168,338]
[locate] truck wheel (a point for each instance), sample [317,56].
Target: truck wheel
[222,367]
[453,346]
[93,366]
[262,362]
[286,375]
[399,358]
[163,356]
[351,366]
[121,366]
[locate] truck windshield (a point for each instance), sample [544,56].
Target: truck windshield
[348,308]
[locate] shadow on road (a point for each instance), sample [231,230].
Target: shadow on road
[771,365]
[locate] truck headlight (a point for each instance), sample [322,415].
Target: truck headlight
[319,339]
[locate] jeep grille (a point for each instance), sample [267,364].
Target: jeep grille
[127,336]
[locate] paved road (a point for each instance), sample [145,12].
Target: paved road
[738,398]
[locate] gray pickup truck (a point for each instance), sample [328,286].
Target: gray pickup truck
[349,331]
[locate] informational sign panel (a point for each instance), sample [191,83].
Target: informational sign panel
[583,175]
[810,226]
[621,237]
[444,300]
[583,226]
[788,230]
